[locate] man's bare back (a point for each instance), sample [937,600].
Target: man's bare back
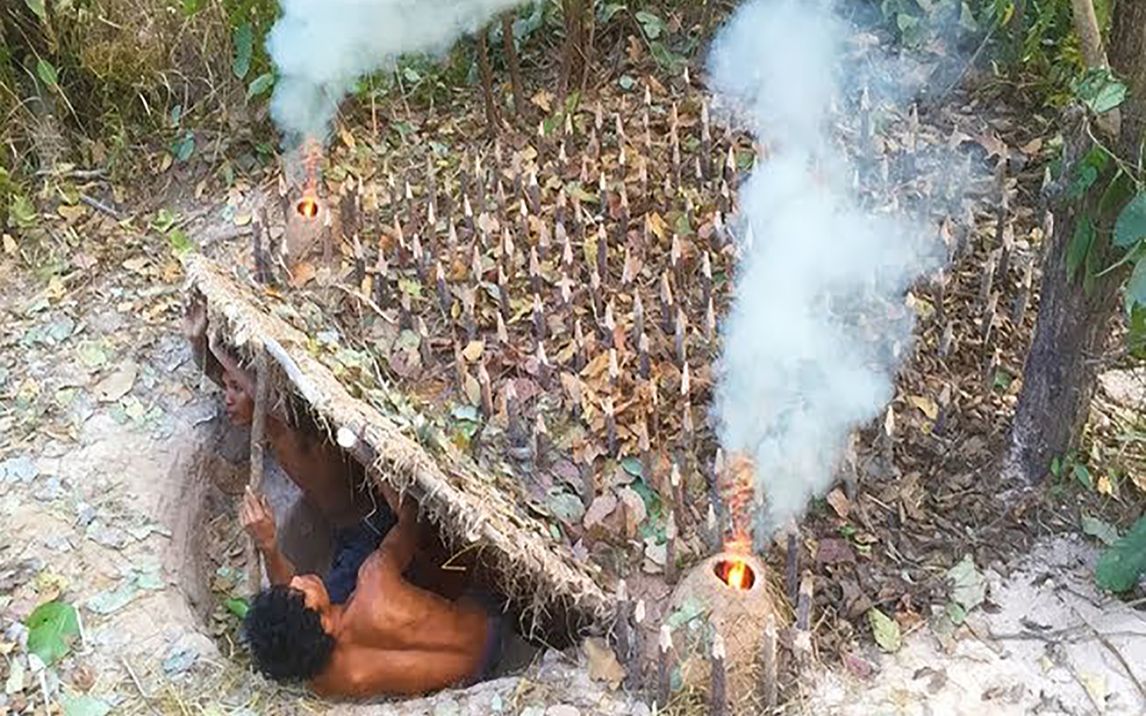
[390,638]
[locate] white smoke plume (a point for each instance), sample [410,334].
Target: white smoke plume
[322,47]
[809,351]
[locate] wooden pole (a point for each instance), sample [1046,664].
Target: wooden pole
[719,693]
[255,480]
[511,60]
[768,666]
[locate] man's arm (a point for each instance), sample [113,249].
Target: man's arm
[195,330]
[401,542]
[259,522]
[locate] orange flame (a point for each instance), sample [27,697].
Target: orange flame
[308,207]
[735,573]
[737,577]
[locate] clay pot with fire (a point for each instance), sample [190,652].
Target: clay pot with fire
[729,593]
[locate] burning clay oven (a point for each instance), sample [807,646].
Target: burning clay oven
[734,598]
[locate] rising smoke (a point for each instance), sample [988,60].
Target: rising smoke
[322,47]
[818,324]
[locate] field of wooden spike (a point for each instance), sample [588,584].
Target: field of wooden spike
[520,276]
[551,298]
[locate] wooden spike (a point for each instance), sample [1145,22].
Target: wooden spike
[469,312]
[685,382]
[405,316]
[538,319]
[664,668]
[629,270]
[710,320]
[503,292]
[643,355]
[718,694]
[802,638]
[769,664]
[679,336]
[610,425]
[595,292]
[381,278]
[667,307]
[534,270]
[638,316]
[670,547]
[602,251]
[424,349]
[614,369]
[580,359]
[459,368]
[608,325]
[444,298]
[502,333]
[946,340]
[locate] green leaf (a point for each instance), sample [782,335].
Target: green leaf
[184,147]
[22,213]
[1079,246]
[180,242]
[1104,531]
[1056,467]
[956,613]
[608,10]
[51,628]
[650,23]
[1124,562]
[566,507]
[1082,474]
[1099,90]
[237,606]
[1130,228]
[260,85]
[37,7]
[627,83]
[885,630]
[968,586]
[1136,335]
[191,7]
[1119,190]
[632,465]
[1087,174]
[85,706]
[244,41]
[1136,286]
[47,73]
[691,608]
[164,220]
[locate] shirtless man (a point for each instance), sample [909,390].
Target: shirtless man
[390,638]
[332,481]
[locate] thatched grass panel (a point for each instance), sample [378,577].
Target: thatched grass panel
[473,510]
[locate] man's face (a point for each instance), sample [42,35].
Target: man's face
[240,407]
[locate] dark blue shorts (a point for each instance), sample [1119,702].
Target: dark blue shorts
[352,545]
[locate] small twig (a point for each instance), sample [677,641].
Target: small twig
[138,685]
[100,206]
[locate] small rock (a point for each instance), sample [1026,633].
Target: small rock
[446,707]
[562,710]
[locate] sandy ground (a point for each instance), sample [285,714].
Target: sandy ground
[112,520]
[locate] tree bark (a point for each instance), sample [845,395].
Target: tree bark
[487,82]
[511,60]
[573,54]
[1072,328]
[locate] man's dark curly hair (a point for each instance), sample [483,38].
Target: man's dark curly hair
[286,638]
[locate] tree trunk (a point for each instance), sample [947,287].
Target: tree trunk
[511,60]
[1071,331]
[573,54]
[487,82]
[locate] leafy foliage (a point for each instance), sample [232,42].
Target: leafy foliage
[51,629]
[1125,561]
